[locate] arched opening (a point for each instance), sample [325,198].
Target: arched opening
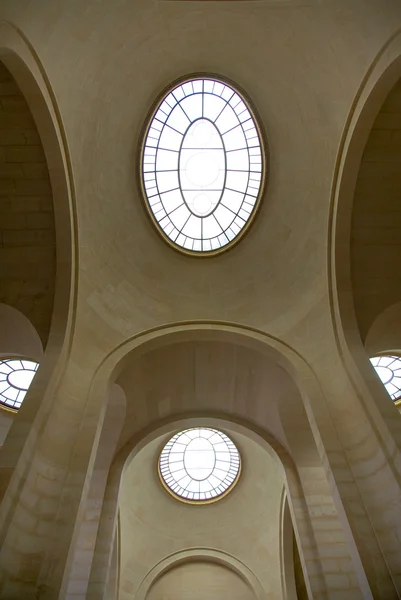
[365,217]
[37,226]
[376,217]
[39,278]
[200,580]
[245,524]
[362,240]
[365,287]
[27,223]
[218,377]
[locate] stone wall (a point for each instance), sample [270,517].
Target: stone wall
[27,233]
[376,219]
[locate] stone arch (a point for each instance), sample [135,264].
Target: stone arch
[376,413]
[193,554]
[22,63]
[315,408]
[32,86]
[29,77]
[383,75]
[375,88]
[108,525]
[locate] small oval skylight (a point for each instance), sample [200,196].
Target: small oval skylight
[16,376]
[199,465]
[202,165]
[388,368]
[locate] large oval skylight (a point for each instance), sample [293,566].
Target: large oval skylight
[199,464]
[388,369]
[16,376]
[202,165]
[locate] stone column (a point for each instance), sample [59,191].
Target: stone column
[39,509]
[360,457]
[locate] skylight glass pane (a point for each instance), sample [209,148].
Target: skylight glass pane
[388,368]
[203,142]
[199,464]
[16,376]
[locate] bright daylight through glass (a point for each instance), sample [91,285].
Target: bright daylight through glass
[202,165]
[16,376]
[199,464]
[388,369]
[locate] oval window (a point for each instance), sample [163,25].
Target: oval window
[202,165]
[388,368]
[199,465]
[16,376]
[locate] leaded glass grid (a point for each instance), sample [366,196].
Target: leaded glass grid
[202,165]
[199,465]
[388,368]
[16,376]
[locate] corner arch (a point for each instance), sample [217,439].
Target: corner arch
[21,61]
[193,554]
[108,526]
[316,408]
[376,85]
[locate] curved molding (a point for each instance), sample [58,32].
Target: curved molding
[200,554]
[383,74]
[21,60]
[376,85]
[291,361]
[281,352]
[231,425]
[287,550]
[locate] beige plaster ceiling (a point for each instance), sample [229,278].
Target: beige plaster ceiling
[215,378]
[376,218]
[27,231]
[245,524]
[108,73]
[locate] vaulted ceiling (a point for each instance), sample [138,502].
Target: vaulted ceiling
[27,230]
[376,218]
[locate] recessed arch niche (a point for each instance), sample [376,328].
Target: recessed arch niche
[376,217]
[366,216]
[202,578]
[26,212]
[38,204]
[214,351]
[37,190]
[245,524]
[364,289]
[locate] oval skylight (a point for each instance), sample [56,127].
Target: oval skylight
[202,165]
[16,376]
[199,464]
[388,369]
